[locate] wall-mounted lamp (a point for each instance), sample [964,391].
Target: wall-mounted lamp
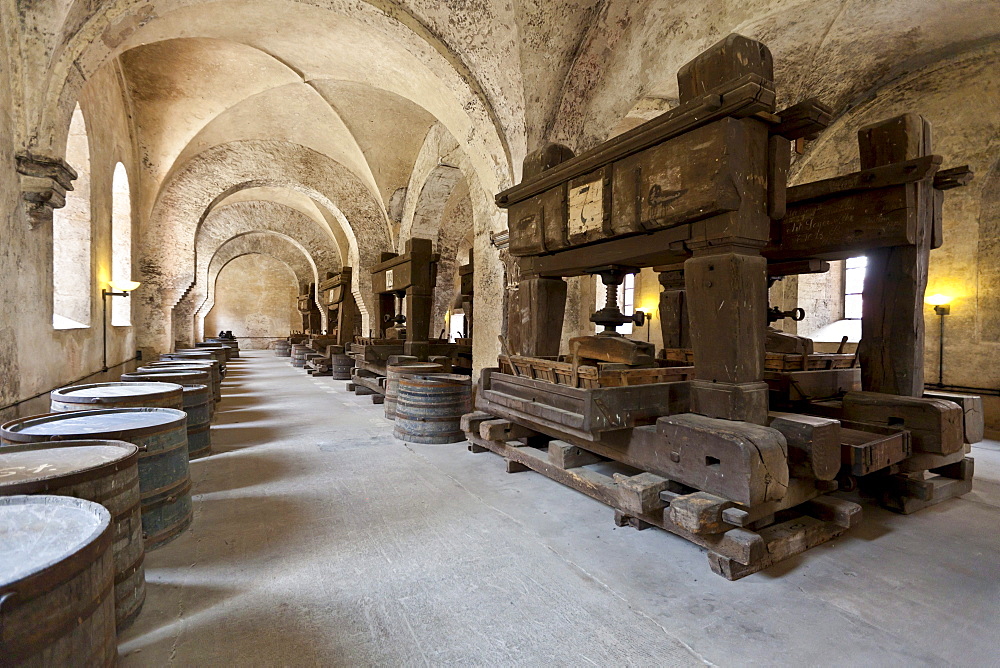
[118,289]
[942,306]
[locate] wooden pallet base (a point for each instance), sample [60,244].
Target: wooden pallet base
[908,494]
[637,501]
[367,384]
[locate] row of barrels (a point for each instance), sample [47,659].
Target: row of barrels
[85,492]
[425,402]
[332,361]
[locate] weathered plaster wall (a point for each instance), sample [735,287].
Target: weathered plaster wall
[255,299]
[36,358]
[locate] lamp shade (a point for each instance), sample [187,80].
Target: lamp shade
[124,286]
[938,299]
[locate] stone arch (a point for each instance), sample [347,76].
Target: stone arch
[238,218]
[278,246]
[197,187]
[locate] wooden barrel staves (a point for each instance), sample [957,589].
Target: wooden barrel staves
[198,403]
[429,408]
[190,376]
[341,367]
[218,354]
[105,472]
[200,407]
[392,375]
[57,604]
[187,356]
[232,344]
[282,348]
[299,353]
[160,433]
[211,366]
[117,395]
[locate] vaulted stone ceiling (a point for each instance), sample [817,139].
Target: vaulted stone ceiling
[378,119]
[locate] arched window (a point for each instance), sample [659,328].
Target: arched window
[71,285]
[121,243]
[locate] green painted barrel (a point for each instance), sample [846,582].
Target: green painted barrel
[105,472]
[117,395]
[430,407]
[160,433]
[57,605]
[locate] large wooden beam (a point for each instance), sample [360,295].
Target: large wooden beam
[891,351]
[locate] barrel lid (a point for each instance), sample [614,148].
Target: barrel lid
[180,372]
[98,391]
[189,353]
[415,367]
[26,468]
[190,363]
[450,378]
[40,531]
[81,423]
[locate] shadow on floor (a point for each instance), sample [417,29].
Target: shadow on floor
[241,471]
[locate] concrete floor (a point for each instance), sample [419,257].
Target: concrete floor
[318,539]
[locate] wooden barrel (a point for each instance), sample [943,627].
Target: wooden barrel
[198,403]
[232,344]
[341,367]
[160,433]
[178,375]
[392,374]
[299,353]
[200,408]
[282,349]
[218,353]
[188,356]
[211,366]
[117,395]
[429,408]
[105,472]
[57,606]
[227,352]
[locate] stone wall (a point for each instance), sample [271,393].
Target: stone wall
[255,299]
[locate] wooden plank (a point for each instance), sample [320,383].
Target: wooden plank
[542,307]
[973,420]
[882,176]
[568,456]
[813,444]
[935,424]
[908,495]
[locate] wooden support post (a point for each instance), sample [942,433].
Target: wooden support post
[726,280]
[419,297]
[674,324]
[891,351]
[728,302]
[542,302]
